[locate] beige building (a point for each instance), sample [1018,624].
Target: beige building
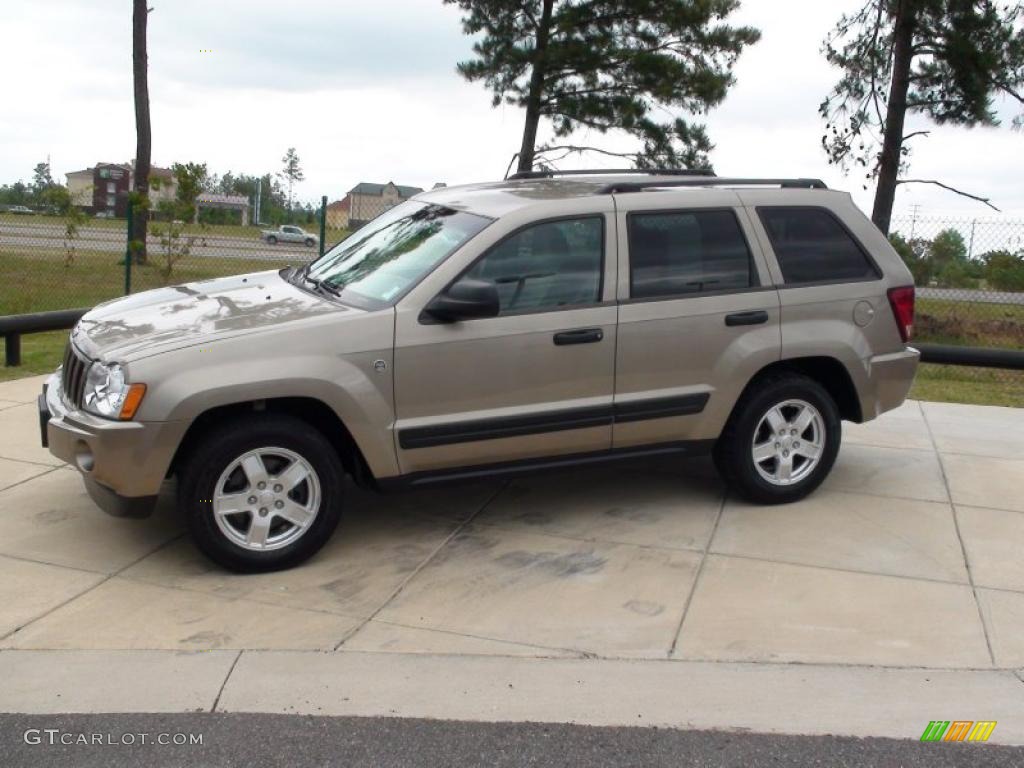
[368,200]
[338,212]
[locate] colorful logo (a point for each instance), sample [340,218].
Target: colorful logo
[958,730]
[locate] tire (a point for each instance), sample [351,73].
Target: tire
[271,240]
[293,524]
[309,242]
[770,403]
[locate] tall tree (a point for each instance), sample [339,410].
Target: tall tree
[944,59]
[143,134]
[291,172]
[191,180]
[42,179]
[630,65]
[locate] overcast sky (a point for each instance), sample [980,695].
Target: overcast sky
[367,91]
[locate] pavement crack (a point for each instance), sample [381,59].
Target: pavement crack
[696,578]
[398,590]
[227,677]
[959,535]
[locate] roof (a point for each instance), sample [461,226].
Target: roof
[498,198]
[340,205]
[371,188]
[209,198]
[154,170]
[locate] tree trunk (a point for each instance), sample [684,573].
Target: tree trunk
[143,145]
[896,112]
[533,99]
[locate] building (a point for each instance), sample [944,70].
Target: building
[103,189]
[337,213]
[368,200]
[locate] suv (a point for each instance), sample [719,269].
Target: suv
[543,321]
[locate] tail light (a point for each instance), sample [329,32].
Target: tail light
[902,302]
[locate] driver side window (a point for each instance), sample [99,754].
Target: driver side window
[547,266]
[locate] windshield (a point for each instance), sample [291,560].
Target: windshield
[376,265]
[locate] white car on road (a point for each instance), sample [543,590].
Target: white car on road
[288,233]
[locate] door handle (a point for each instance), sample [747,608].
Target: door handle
[754,317]
[582,336]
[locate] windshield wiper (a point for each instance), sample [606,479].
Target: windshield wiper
[320,285]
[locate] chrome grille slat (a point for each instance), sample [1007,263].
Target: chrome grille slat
[73,375]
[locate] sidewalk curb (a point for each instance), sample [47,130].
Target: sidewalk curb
[768,698]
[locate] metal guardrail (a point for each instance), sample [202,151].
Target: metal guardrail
[12,327]
[977,357]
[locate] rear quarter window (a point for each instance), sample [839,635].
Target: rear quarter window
[812,246]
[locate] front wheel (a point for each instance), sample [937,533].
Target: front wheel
[309,242]
[261,494]
[781,441]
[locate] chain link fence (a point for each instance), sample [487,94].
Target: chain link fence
[51,261]
[970,288]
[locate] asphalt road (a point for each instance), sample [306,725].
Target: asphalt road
[294,740]
[112,241]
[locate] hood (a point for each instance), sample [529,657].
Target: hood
[184,315]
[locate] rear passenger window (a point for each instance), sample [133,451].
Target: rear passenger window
[548,266]
[813,247]
[674,253]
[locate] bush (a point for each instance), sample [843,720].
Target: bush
[1004,271]
[913,254]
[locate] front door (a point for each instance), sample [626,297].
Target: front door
[535,381]
[699,316]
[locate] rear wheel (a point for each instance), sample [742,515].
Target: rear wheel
[781,441]
[261,494]
[271,240]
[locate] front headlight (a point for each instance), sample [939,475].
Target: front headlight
[108,394]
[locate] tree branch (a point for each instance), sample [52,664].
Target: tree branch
[984,200]
[916,133]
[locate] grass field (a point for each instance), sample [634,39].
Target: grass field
[41,282]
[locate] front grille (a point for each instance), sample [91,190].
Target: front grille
[72,379]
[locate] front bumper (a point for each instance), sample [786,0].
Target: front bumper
[123,463]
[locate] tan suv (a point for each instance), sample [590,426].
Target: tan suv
[485,330]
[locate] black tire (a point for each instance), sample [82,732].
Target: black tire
[218,449]
[733,453]
[271,240]
[309,242]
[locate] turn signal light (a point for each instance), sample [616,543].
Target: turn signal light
[132,401]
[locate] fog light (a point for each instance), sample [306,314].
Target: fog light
[83,456]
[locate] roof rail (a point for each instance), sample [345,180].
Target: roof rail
[550,173]
[716,181]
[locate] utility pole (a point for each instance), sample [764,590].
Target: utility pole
[970,248]
[913,219]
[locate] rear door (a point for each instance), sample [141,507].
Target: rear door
[698,314]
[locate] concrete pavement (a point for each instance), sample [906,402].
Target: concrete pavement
[640,594]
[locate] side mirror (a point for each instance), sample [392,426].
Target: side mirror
[465,300]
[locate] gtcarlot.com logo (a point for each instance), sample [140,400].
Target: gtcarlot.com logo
[55,736]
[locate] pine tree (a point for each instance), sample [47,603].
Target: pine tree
[945,59]
[645,67]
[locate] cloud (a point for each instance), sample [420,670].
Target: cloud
[367,91]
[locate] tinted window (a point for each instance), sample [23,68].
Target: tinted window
[547,266]
[676,253]
[812,246]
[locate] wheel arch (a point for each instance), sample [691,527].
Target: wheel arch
[314,412]
[829,372]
